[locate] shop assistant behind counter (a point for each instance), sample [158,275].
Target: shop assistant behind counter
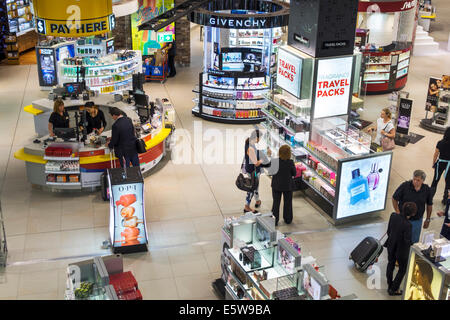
[95,119]
[59,117]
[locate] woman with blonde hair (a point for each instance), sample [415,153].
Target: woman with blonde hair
[384,127]
[283,185]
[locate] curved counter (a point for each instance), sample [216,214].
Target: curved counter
[88,162]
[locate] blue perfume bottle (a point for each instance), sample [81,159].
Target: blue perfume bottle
[358,188]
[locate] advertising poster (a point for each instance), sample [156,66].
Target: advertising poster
[424,282]
[289,72]
[147,40]
[363,186]
[129,226]
[332,94]
[446,82]
[404,116]
[286,260]
[47,71]
[311,286]
[433,94]
[65,52]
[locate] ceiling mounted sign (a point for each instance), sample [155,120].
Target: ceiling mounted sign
[74,18]
[373,6]
[238,14]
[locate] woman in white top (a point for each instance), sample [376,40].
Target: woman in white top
[384,127]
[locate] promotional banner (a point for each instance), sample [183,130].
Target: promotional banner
[433,94]
[404,116]
[147,41]
[129,217]
[333,87]
[446,82]
[68,18]
[363,186]
[289,72]
[424,281]
[47,67]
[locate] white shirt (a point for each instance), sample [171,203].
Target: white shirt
[382,126]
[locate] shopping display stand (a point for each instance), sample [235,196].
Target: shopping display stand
[101,278]
[260,263]
[385,36]
[427,276]
[309,109]
[438,106]
[128,228]
[240,46]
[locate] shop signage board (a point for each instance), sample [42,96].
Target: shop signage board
[67,18]
[165,37]
[404,116]
[47,67]
[386,6]
[333,87]
[433,94]
[289,72]
[128,229]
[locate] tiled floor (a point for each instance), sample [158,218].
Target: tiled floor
[185,204]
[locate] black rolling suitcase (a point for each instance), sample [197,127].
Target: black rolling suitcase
[366,253]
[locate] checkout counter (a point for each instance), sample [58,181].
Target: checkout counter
[72,165]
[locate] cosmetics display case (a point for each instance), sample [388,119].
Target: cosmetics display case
[427,279]
[110,74]
[438,106]
[260,263]
[101,278]
[386,32]
[309,109]
[240,49]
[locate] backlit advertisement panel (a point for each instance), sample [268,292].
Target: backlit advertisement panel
[333,87]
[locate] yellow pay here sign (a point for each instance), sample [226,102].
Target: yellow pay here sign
[69,18]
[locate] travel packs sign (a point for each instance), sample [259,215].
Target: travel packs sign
[289,72]
[333,87]
[68,18]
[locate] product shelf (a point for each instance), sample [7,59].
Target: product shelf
[268,114]
[61,184]
[236,89]
[61,172]
[318,175]
[252,109]
[234,119]
[105,76]
[288,111]
[317,191]
[110,84]
[61,158]
[329,167]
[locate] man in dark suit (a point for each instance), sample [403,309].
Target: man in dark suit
[398,243]
[123,139]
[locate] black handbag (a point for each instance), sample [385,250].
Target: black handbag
[140,146]
[248,184]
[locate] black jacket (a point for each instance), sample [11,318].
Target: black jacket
[123,138]
[283,179]
[399,235]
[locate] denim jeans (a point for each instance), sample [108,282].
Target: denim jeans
[416,229]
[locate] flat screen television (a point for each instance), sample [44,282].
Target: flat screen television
[314,284]
[230,57]
[73,88]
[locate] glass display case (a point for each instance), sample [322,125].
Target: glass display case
[263,264]
[20,16]
[109,74]
[389,28]
[237,64]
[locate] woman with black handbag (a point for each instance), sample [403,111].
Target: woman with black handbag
[252,166]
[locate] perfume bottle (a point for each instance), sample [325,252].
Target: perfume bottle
[358,188]
[373,178]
